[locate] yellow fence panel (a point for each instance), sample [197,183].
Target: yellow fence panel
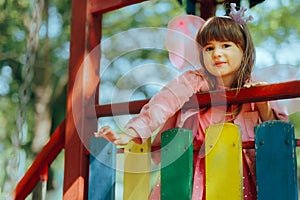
[137,166]
[224,172]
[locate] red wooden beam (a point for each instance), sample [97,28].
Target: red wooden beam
[36,171]
[116,109]
[75,161]
[102,6]
[276,91]
[269,92]
[82,84]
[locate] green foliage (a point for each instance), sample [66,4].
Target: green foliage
[275,30]
[125,52]
[294,118]
[50,68]
[278,23]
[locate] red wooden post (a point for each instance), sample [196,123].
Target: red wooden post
[82,91]
[207,8]
[85,36]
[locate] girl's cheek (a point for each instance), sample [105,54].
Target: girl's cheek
[207,55]
[204,55]
[207,59]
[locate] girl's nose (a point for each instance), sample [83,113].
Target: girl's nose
[217,52]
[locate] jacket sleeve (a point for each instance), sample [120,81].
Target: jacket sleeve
[279,113]
[166,103]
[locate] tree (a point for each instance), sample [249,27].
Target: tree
[47,80]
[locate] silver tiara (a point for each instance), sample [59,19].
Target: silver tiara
[239,15]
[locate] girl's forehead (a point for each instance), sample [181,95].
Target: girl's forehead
[217,40]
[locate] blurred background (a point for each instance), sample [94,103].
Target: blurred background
[34,69]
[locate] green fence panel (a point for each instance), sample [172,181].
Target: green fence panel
[176,164]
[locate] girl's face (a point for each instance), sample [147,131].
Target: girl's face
[222,60]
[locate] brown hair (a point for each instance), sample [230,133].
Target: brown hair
[225,29]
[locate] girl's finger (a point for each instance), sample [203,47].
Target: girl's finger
[96,134]
[119,141]
[103,131]
[254,84]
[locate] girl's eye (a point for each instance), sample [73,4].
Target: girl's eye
[208,48]
[226,45]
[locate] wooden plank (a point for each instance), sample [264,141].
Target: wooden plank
[137,166]
[82,88]
[102,176]
[102,6]
[176,164]
[276,167]
[223,162]
[269,92]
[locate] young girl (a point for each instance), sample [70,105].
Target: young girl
[227,56]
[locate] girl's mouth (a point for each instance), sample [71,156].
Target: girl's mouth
[219,63]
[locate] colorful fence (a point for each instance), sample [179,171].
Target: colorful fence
[276,167]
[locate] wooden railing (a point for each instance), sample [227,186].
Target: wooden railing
[276,91]
[38,169]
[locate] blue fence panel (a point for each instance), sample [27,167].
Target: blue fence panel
[102,175]
[276,167]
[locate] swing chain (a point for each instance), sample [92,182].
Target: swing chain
[27,71]
[16,164]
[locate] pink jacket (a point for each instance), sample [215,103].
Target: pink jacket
[164,112]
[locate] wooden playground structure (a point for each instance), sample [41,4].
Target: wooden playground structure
[85,177]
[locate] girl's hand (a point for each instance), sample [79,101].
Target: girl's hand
[254,84]
[265,111]
[117,138]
